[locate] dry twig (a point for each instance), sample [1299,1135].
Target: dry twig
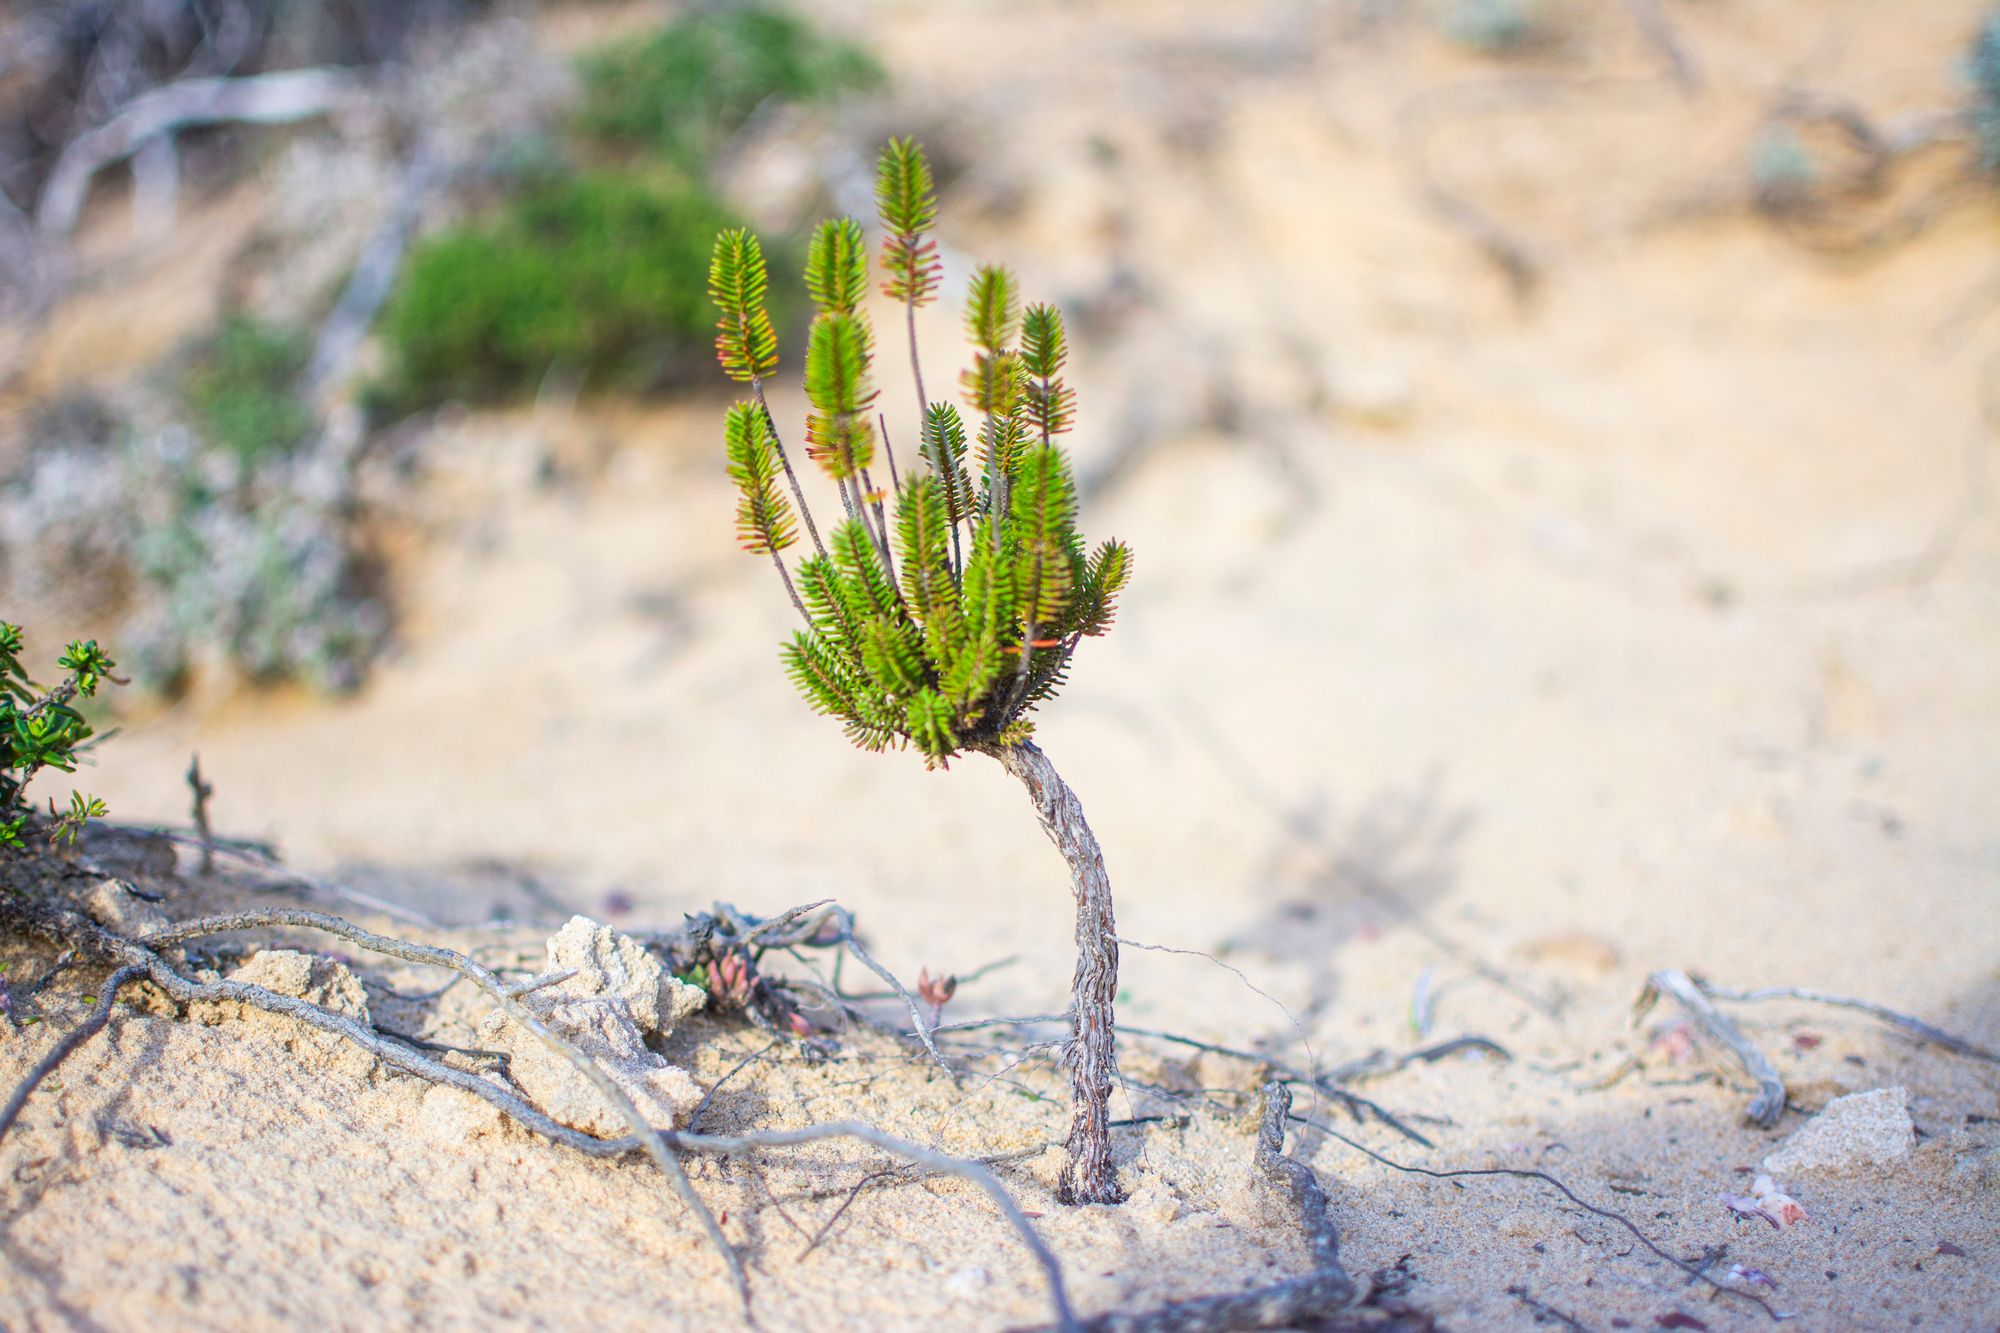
[1769,1103]
[71,928]
[1915,1027]
[270,99]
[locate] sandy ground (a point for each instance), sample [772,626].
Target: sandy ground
[1645,621]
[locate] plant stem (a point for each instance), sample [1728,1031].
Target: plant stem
[783,573]
[1092,1053]
[771,423]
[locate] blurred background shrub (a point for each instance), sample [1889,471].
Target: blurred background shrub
[598,274]
[683,90]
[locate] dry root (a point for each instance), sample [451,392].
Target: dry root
[150,960]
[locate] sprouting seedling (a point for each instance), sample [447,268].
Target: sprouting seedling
[41,729]
[943,627]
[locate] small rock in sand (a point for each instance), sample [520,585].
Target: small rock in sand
[619,994]
[608,963]
[604,1030]
[1865,1129]
[307,977]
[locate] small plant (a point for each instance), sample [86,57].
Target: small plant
[682,91]
[41,729]
[596,274]
[943,627]
[243,388]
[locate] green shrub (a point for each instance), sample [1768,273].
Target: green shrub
[243,573]
[600,275]
[243,389]
[683,90]
[39,728]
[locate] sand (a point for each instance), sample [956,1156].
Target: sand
[1649,621]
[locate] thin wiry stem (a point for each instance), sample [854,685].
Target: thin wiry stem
[74,928]
[880,533]
[1916,1027]
[916,366]
[1694,1273]
[791,591]
[889,452]
[784,460]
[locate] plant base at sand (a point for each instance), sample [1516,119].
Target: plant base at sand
[324,996]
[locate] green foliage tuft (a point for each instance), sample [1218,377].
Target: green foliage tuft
[683,90]
[992,309]
[1044,524]
[745,342]
[1050,405]
[944,449]
[243,388]
[41,728]
[764,521]
[840,435]
[596,275]
[837,266]
[906,202]
[1110,569]
[945,632]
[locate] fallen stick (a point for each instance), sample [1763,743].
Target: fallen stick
[1380,1064]
[73,929]
[1323,1083]
[1916,1027]
[1769,1103]
[502,994]
[268,99]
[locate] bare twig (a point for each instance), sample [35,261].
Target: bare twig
[1543,1312]
[701,1107]
[1915,1027]
[200,790]
[1324,1083]
[1380,1064]
[1769,1103]
[907,1171]
[867,960]
[374,275]
[649,1138]
[542,982]
[269,99]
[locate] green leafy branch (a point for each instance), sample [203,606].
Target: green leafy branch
[944,626]
[41,728]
